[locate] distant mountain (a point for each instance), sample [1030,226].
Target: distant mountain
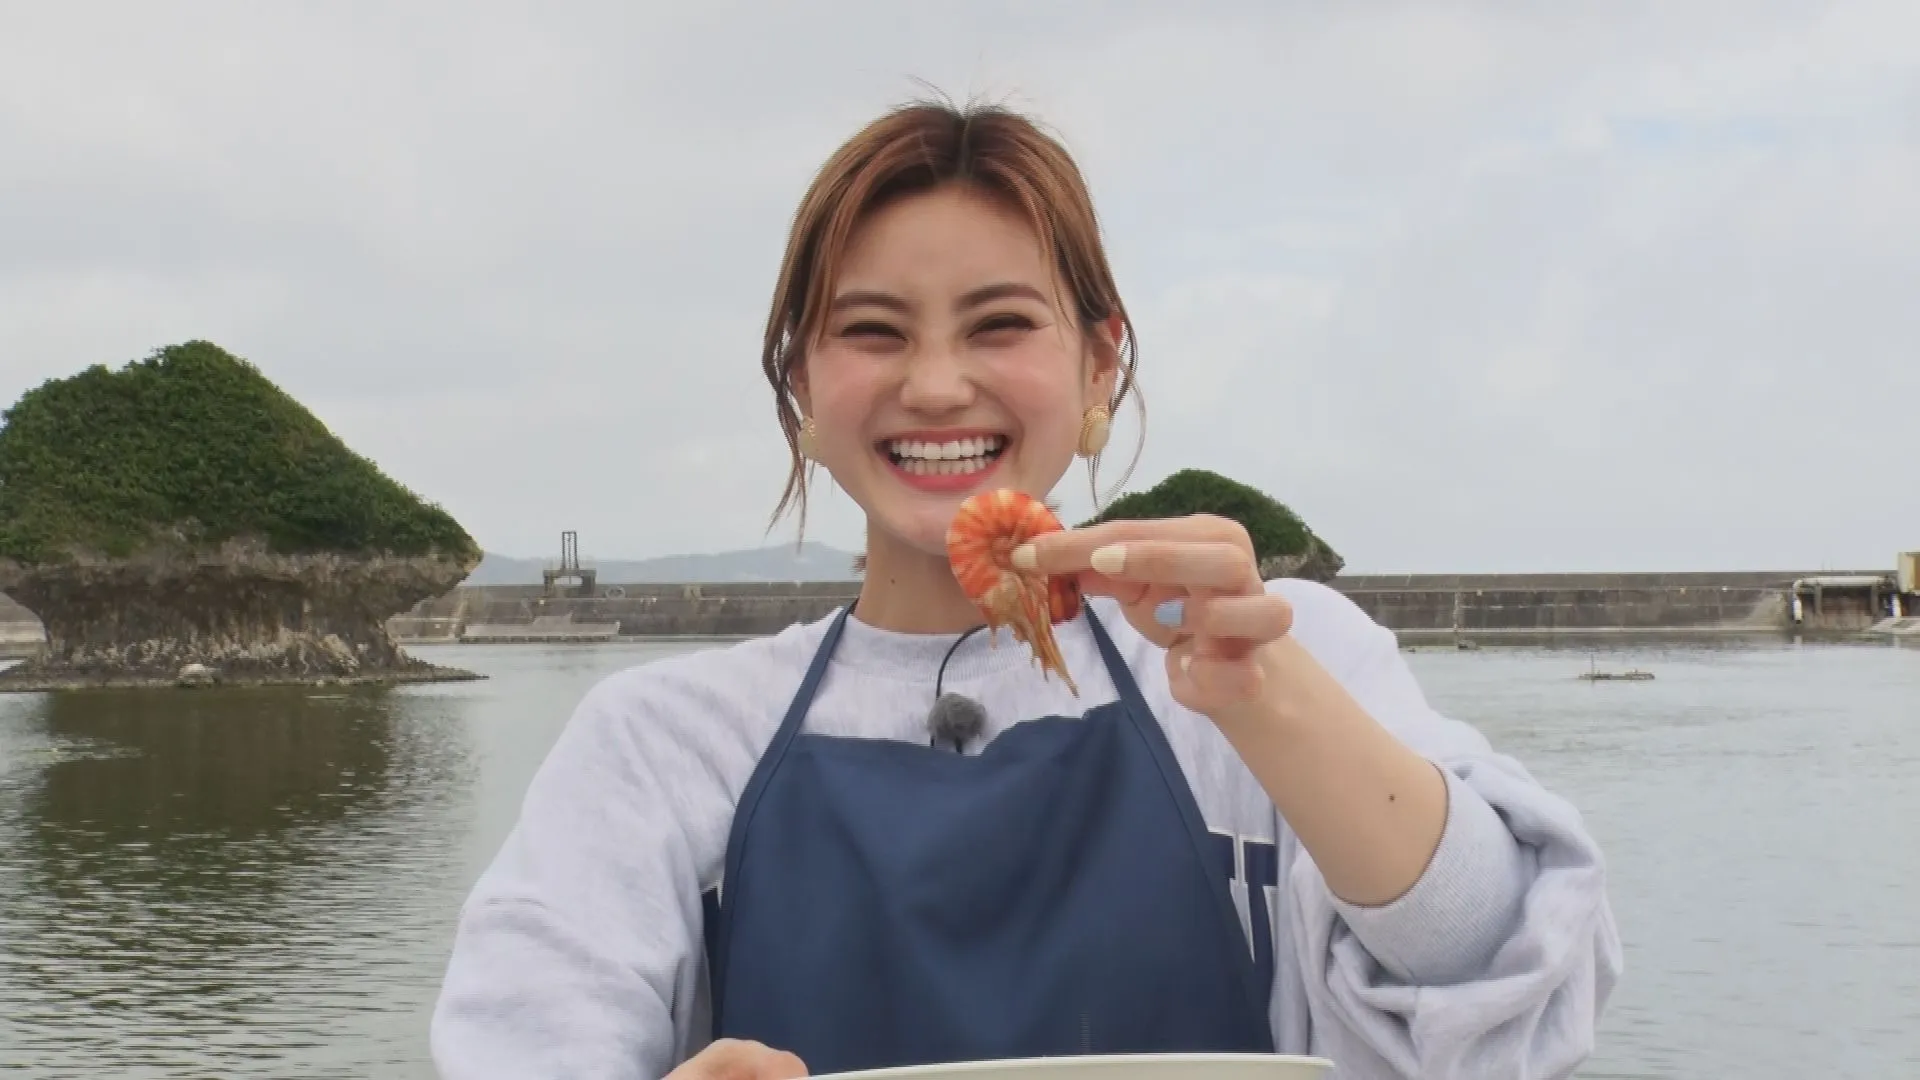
[782,562]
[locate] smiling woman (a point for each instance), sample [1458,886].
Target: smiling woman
[971,237]
[916,358]
[1252,835]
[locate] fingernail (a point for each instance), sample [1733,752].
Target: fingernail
[1109,560]
[1170,613]
[1185,663]
[1024,557]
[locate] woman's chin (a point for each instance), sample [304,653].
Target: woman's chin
[919,527]
[915,513]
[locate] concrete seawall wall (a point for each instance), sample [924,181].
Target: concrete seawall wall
[1420,608]
[722,610]
[1497,606]
[20,632]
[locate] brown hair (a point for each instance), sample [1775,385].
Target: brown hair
[916,148]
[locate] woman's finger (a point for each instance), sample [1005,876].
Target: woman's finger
[1203,564]
[1205,681]
[1072,550]
[1189,527]
[1129,593]
[1257,619]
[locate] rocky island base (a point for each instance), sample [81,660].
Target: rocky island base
[239,616]
[22,680]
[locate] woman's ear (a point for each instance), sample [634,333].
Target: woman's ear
[798,387]
[1103,347]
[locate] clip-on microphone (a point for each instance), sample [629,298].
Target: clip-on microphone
[954,718]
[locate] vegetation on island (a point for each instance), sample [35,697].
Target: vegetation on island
[195,446]
[1275,530]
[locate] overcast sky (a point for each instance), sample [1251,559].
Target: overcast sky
[1621,286]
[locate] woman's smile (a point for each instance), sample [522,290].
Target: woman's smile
[943,462]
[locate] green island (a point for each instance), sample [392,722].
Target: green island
[184,519]
[1282,542]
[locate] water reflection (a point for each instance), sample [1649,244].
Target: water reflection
[194,881]
[1762,825]
[242,763]
[264,883]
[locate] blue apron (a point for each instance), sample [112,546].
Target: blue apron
[886,903]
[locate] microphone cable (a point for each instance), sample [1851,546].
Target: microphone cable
[954,718]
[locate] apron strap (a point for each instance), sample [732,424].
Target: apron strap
[720,934]
[1117,669]
[1147,726]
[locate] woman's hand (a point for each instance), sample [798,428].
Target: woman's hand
[1190,585]
[1367,808]
[739,1059]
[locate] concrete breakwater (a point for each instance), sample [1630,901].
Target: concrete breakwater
[745,609]
[1528,607]
[1421,608]
[20,631]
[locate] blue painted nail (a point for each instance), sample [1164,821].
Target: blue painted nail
[1170,613]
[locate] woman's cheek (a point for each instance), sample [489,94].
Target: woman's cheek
[1036,377]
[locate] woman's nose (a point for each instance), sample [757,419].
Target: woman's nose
[936,381]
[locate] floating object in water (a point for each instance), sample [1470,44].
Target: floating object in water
[1593,674]
[980,544]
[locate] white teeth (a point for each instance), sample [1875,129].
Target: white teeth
[956,457]
[956,450]
[943,467]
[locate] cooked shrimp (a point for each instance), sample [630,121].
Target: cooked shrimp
[983,534]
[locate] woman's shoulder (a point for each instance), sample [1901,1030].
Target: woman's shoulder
[721,668]
[723,697]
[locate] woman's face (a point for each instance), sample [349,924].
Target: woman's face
[945,366]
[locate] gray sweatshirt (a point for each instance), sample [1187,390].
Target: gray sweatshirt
[579,952]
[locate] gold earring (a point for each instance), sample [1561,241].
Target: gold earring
[809,439]
[1095,426]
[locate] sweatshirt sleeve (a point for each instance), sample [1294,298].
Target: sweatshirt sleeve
[578,951]
[1499,960]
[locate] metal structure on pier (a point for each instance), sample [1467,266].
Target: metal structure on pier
[569,577]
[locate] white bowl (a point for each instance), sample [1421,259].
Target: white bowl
[1111,1067]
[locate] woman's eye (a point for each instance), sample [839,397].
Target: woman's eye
[869,329]
[1005,323]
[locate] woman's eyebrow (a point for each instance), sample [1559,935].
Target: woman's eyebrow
[869,298]
[985,294]
[1003,290]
